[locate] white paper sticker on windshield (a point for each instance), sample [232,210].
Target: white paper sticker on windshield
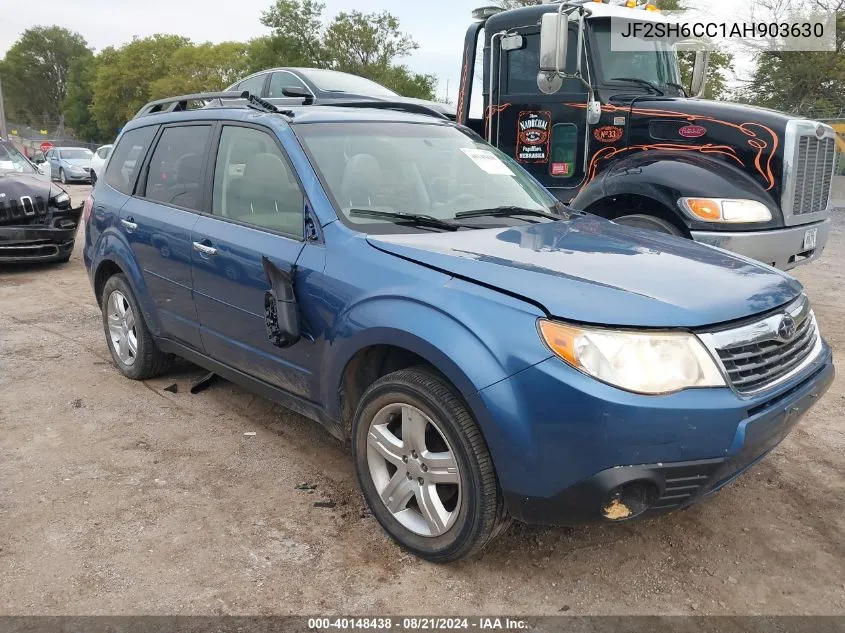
[487,161]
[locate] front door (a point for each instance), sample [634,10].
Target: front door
[545,133]
[256,224]
[158,221]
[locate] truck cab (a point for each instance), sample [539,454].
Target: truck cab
[615,133]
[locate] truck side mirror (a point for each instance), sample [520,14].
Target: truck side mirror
[554,35]
[699,73]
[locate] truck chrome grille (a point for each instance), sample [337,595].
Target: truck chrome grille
[814,163]
[762,354]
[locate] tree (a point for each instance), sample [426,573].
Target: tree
[80,93]
[125,76]
[202,68]
[515,4]
[366,44]
[35,74]
[806,83]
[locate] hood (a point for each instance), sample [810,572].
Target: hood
[15,185]
[589,270]
[745,136]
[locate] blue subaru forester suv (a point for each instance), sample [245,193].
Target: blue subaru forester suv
[489,353]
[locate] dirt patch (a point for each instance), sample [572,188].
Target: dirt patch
[118,497]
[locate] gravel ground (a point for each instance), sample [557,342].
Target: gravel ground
[117,497]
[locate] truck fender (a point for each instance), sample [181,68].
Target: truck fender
[664,177]
[112,248]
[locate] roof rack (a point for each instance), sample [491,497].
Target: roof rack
[180,103]
[402,106]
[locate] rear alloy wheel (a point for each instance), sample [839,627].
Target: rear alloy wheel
[649,223]
[131,345]
[424,467]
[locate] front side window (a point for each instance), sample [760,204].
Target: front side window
[280,81]
[103,152]
[523,65]
[123,168]
[425,169]
[175,173]
[254,183]
[11,160]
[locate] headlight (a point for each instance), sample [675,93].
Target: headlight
[728,211]
[61,198]
[642,362]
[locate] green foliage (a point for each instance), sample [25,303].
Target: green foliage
[78,98]
[203,68]
[125,77]
[35,74]
[805,83]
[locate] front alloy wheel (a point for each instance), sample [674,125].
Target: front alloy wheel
[424,467]
[414,470]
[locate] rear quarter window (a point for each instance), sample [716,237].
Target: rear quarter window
[127,157]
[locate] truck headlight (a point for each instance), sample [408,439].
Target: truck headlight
[642,362]
[725,210]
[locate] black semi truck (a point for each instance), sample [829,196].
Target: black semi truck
[616,134]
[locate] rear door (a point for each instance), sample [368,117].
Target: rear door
[158,220]
[257,220]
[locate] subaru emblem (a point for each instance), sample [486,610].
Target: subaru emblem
[787,328]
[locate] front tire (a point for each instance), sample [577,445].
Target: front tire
[130,342]
[93,178]
[424,467]
[62,176]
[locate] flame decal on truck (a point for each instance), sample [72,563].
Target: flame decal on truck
[756,132]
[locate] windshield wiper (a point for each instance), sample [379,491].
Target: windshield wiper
[679,87]
[505,212]
[416,219]
[642,82]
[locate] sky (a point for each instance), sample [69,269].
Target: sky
[438,26]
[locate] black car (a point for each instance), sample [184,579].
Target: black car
[293,86]
[37,221]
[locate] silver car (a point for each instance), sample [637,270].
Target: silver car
[69,164]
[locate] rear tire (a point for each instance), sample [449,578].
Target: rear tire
[649,223]
[130,342]
[417,447]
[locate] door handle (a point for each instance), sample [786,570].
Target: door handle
[203,249]
[129,225]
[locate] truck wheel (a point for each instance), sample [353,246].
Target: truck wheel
[424,467]
[131,345]
[649,223]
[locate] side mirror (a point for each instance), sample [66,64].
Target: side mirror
[699,73]
[299,93]
[554,37]
[281,312]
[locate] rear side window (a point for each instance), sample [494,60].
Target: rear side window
[175,175]
[253,85]
[128,155]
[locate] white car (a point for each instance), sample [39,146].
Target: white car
[98,162]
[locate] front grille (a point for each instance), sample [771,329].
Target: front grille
[13,211]
[814,164]
[755,365]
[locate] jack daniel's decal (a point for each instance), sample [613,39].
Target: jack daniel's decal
[533,134]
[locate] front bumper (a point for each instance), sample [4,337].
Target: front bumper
[33,243]
[590,447]
[782,248]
